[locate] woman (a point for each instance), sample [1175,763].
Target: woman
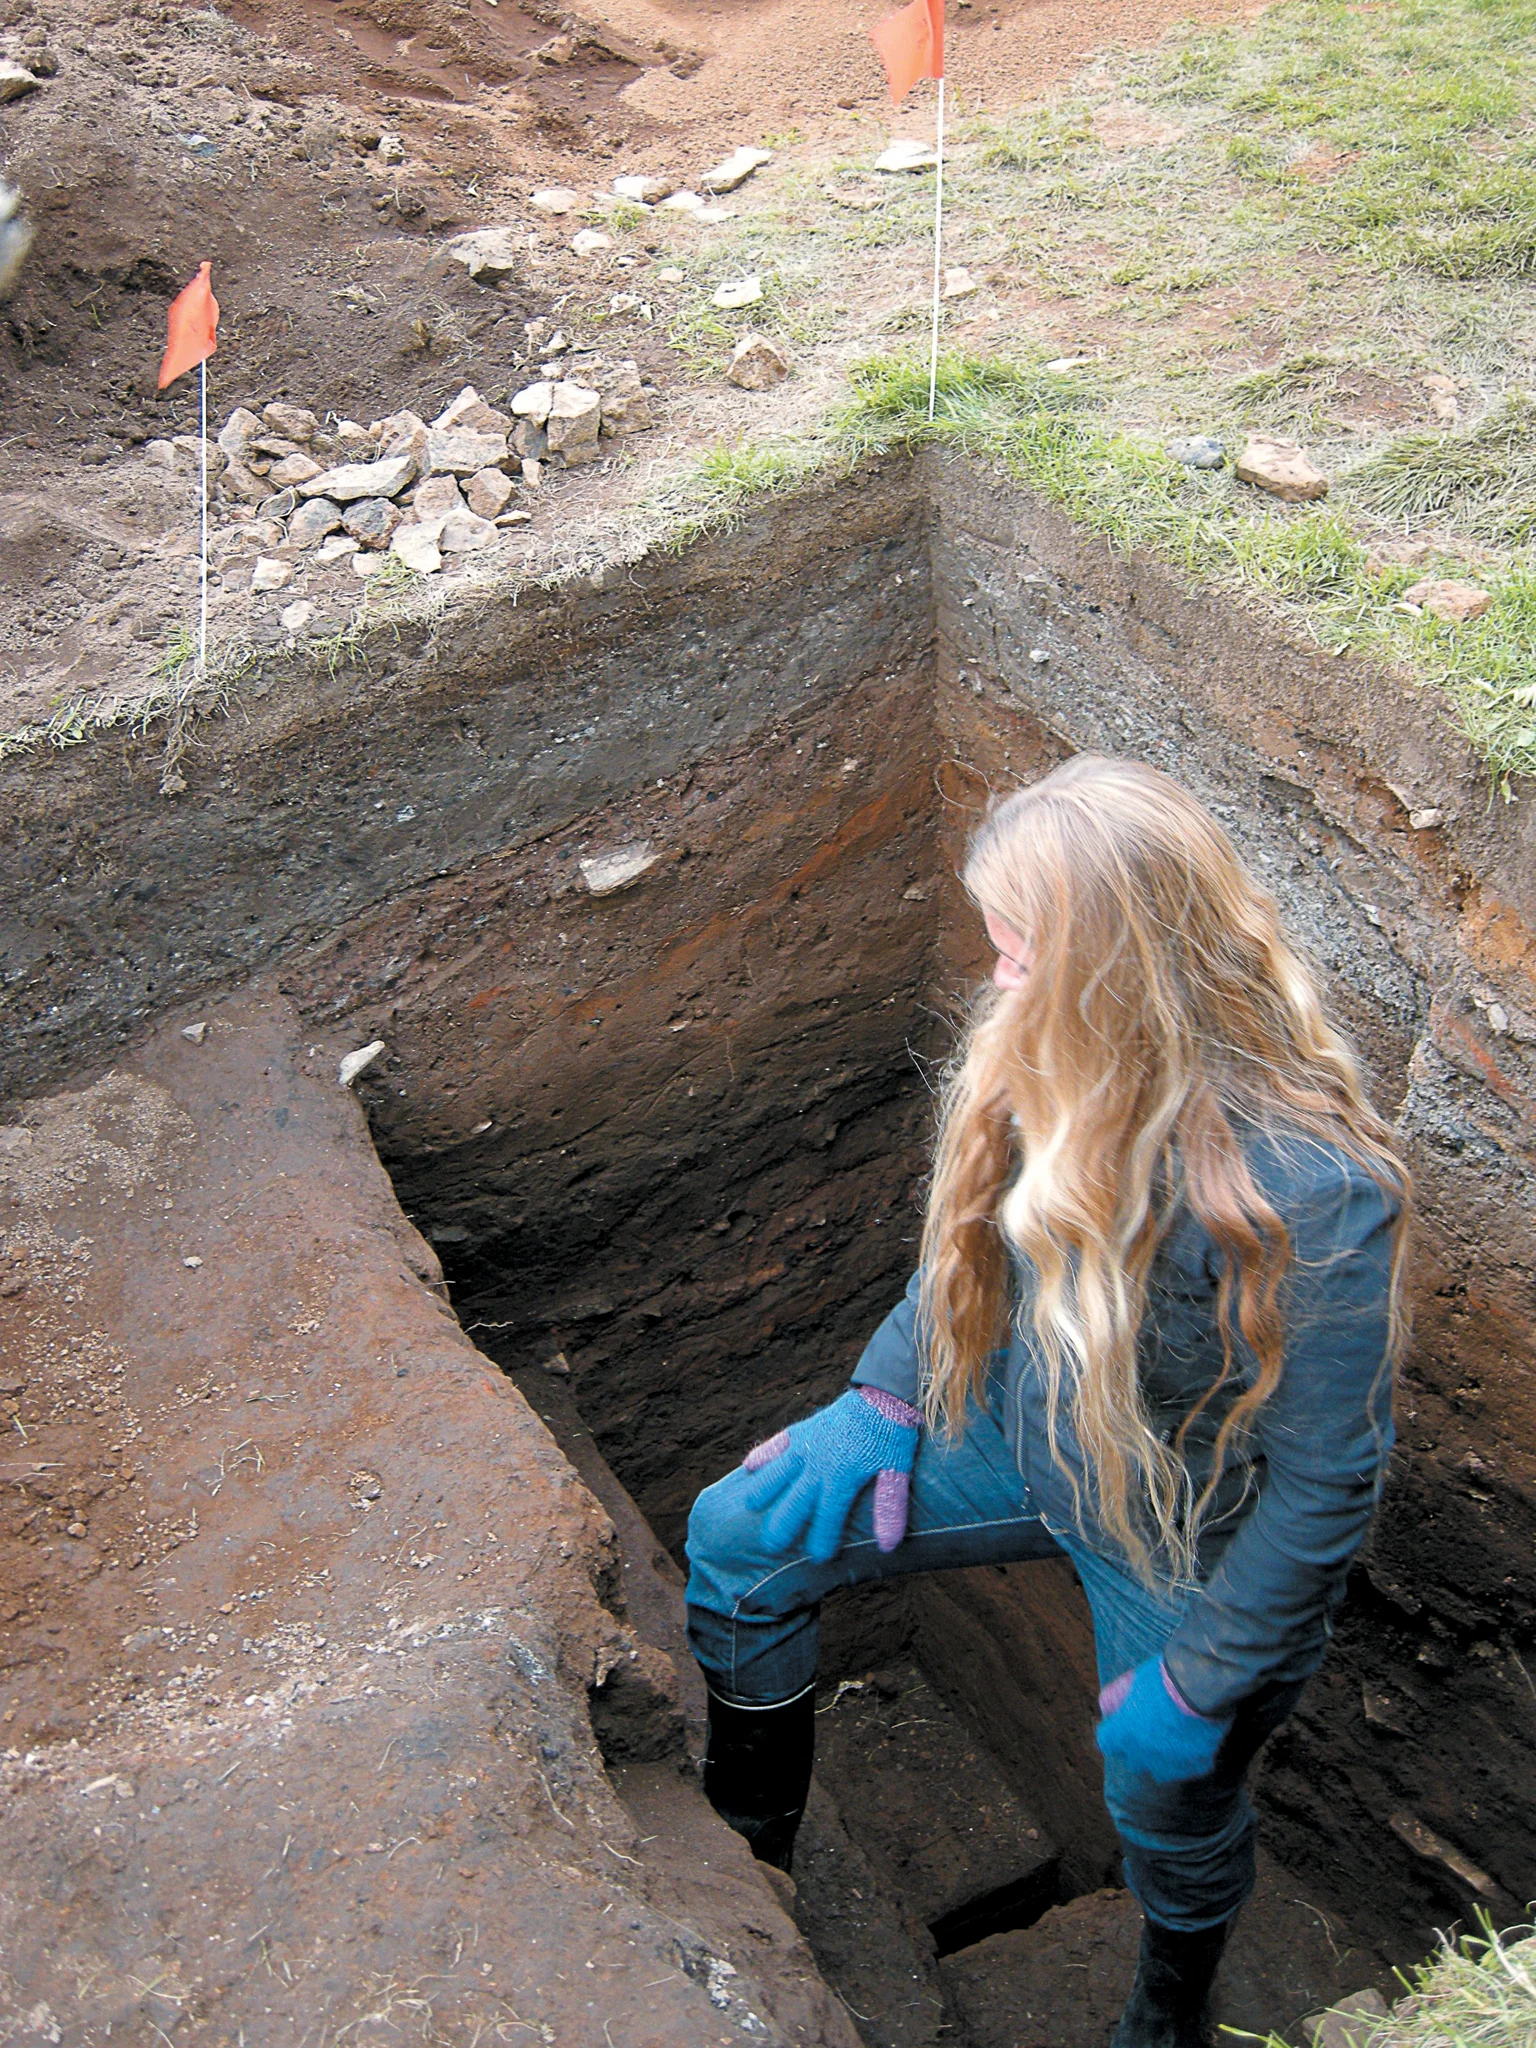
[1153,1327]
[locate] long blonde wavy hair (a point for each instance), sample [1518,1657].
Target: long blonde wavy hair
[1162,1008]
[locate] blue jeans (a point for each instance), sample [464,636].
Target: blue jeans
[753,1622]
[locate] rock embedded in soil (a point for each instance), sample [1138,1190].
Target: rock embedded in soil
[959,283]
[736,169]
[371,521]
[626,403]
[906,155]
[462,533]
[1443,598]
[1199,451]
[555,199]
[238,432]
[487,493]
[740,291]
[758,364]
[294,618]
[490,255]
[15,81]
[313,520]
[352,480]
[460,451]
[588,241]
[271,574]
[645,190]
[1349,2024]
[1281,468]
[605,874]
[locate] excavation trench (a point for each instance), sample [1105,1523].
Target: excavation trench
[668,1144]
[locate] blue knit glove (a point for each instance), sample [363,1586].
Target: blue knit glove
[810,1475]
[1148,1722]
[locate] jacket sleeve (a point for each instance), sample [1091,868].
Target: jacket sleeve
[1320,1445]
[890,1359]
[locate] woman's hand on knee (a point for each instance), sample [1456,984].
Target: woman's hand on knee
[1151,1726]
[806,1479]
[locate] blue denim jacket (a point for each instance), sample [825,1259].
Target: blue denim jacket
[1295,1497]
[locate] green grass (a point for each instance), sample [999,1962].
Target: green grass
[1476,1992]
[1052,434]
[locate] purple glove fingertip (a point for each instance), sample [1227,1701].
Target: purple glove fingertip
[764,1453]
[892,1407]
[892,1492]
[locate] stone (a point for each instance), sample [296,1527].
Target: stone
[1444,599]
[462,533]
[757,364]
[460,451]
[391,150]
[959,283]
[1199,451]
[490,255]
[417,547]
[1349,2024]
[559,49]
[607,873]
[262,533]
[469,409]
[271,574]
[189,451]
[487,493]
[295,617]
[16,81]
[905,155]
[529,443]
[355,442]
[645,191]
[371,521]
[533,402]
[736,169]
[555,199]
[669,274]
[358,1062]
[333,550]
[366,563]
[575,419]
[403,433]
[279,506]
[1281,468]
[626,403]
[293,469]
[1442,396]
[313,521]
[238,432]
[296,421]
[533,472]
[684,202]
[517,518]
[1429,819]
[436,496]
[587,241]
[353,480]
[741,291]
[199,1031]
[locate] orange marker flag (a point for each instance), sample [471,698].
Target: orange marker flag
[911,45]
[191,327]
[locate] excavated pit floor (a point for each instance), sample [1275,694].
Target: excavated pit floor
[667,1145]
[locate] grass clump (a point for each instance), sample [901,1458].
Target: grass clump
[1483,478]
[1475,1992]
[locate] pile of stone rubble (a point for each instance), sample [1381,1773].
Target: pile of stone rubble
[405,486]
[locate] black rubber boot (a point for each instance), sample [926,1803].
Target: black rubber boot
[1166,2008]
[757,1770]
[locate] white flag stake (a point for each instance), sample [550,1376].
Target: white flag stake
[938,243]
[202,442]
